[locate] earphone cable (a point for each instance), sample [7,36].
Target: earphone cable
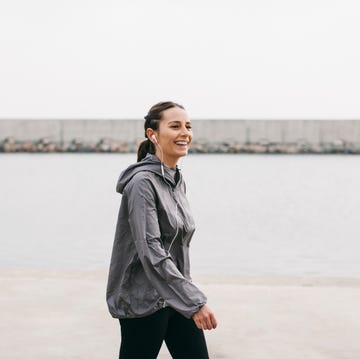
[176,202]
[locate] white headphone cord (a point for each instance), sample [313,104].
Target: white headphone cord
[176,202]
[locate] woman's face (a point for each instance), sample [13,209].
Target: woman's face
[174,135]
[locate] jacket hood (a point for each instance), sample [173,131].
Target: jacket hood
[149,163]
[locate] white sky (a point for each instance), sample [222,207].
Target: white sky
[220,59]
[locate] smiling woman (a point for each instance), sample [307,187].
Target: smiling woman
[149,286]
[172,135]
[169,138]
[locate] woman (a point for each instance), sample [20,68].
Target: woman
[149,285]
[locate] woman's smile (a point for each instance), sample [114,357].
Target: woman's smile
[174,136]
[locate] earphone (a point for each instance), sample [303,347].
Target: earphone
[154,138]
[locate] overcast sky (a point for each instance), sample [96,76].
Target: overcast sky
[220,59]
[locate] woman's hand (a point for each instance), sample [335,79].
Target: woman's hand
[204,318]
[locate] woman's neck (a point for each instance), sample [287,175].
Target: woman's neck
[168,162]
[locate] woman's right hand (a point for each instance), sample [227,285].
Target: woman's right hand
[204,318]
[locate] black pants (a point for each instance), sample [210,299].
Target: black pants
[141,338]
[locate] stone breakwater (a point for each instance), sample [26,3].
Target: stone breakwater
[211,136]
[45,145]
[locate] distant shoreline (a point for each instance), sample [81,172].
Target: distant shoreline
[45,146]
[211,136]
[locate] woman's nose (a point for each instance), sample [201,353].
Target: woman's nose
[185,131]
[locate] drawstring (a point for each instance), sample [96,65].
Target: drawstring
[177,174]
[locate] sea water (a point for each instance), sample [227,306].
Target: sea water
[254,214]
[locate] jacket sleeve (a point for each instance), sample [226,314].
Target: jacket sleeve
[177,291]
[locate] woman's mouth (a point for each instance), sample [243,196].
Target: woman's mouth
[182,144]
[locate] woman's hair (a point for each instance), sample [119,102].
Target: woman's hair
[152,120]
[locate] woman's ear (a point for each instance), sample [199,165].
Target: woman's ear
[151,134]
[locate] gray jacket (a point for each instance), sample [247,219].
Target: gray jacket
[154,217]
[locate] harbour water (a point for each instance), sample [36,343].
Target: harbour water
[255,214]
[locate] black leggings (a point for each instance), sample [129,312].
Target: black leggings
[141,338]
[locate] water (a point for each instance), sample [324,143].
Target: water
[255,214]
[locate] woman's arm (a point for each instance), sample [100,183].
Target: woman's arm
[177,291]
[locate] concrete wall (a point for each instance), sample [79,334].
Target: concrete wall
[67,130]
[241,131]
[280,131]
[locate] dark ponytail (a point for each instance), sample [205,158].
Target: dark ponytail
[152,120]
[145,147]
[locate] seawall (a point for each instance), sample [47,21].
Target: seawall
[259,136]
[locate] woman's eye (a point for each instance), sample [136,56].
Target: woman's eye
[177,126]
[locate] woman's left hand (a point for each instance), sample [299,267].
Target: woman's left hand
[204,318]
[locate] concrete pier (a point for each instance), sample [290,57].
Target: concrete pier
[63,314]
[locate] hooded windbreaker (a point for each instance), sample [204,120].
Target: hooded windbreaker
[154,216]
